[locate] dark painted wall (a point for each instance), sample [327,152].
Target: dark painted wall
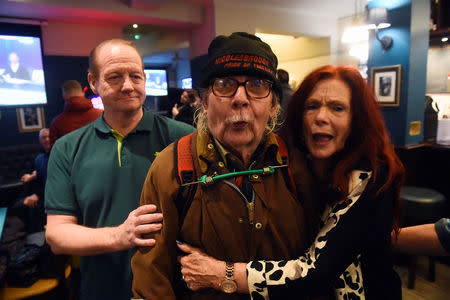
[420,35]
[395,117]
[197,65]
[409,31]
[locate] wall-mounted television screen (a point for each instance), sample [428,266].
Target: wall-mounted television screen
[186,83]
[156,83]
[21,71]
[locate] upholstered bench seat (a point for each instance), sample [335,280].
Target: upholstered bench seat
[422,205]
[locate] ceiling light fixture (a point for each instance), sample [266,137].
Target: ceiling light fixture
[355,34]
[360,51]
[357,31]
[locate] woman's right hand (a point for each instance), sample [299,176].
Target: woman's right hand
[200,270]
[175,110]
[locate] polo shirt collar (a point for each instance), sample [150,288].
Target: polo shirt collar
[145,124]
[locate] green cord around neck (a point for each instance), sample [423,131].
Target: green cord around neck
[207,180]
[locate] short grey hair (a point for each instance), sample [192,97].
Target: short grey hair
[94,68]
[41,132]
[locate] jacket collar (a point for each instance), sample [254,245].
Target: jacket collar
[209,155]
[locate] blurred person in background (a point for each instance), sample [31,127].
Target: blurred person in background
[283,77]
[189,103]
[34,187]
[78,111]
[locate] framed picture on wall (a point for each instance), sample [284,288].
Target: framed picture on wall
[30,118]
[386,83]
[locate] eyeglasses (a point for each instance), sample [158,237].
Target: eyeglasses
[254,88]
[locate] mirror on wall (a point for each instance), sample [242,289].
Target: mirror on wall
[438,70]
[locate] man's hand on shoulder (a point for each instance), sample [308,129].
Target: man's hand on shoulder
[141,221]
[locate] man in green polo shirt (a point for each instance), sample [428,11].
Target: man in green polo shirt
[96,173]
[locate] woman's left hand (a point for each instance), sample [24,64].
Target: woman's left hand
[199,270]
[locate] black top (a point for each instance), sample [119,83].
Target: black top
[20,73]
[354,241]
[186,114]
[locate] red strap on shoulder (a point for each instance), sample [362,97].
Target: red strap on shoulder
[184,157]
[282,148]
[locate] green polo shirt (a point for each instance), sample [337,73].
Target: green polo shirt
[97,176]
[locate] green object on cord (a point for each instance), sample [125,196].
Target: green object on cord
[206,180]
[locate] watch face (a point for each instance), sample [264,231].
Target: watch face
[228,286]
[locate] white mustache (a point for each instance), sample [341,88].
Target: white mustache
[239,118]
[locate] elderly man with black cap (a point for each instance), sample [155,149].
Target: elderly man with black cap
[226,188]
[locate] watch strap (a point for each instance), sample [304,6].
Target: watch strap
[229,270]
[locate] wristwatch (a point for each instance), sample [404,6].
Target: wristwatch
[228,284]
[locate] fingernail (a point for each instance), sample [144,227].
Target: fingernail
[179,242]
